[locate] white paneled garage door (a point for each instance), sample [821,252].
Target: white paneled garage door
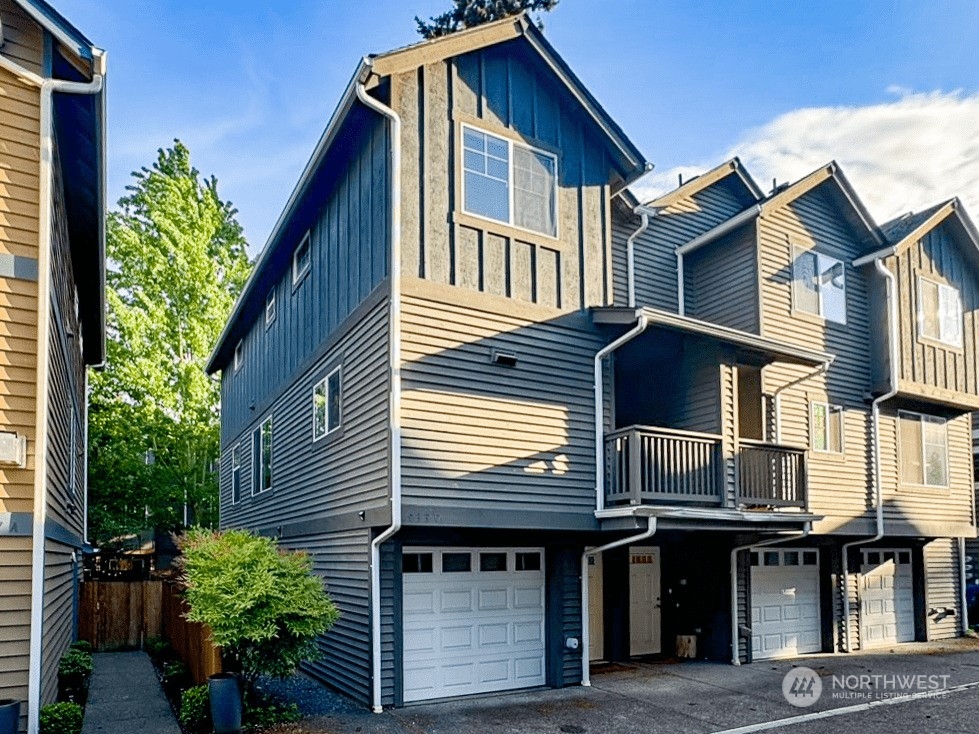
[886,597]
[784,603]
[473,621]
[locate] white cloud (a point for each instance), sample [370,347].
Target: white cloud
[900,156]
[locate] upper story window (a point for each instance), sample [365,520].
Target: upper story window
[301,260]
[827,428]
[326,405]
[509,182]
[262,453]
[924,449]
[236,474]
[939,312]
[239,355]
[270,307]
[819,285]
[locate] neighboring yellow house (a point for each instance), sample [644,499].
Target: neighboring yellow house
[52,328]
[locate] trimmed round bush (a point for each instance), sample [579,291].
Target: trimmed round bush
[61,718]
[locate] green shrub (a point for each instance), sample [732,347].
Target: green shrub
[83,645]
[175,676]
[265,711]
[157,648]
[263,604]
[195,709]
[75,664]
[61,718]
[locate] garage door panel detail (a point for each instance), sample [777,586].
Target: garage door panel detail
[785,617]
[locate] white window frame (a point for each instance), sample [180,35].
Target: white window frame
[300,271]
[325,384]
[270,307]
[236,473]
[239,358]
[830,408]
[511,144]
[942,338]
[922,418]
[258,461]
[797,251]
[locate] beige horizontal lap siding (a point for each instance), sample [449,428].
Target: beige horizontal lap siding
[839,486]
[59,611]
[943,598]
[927,361]
[341,473]
[479,435]
[15,616]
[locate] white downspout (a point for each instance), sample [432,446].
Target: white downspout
[892,338]
[645,214]
[47,88]
[964,615]
[641,323]
[85,469]
[735,647]
[681,296]
[649,532]
[395,400]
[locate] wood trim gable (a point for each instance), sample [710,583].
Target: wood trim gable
[951,207]
[706,180]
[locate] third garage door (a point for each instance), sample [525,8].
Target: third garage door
[784,603]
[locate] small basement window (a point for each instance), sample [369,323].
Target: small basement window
[301,260]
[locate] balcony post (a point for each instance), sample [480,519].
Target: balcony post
[635,468]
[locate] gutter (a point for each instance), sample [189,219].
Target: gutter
[642,321]
[47,88]
[706,238]
[645,213]
[394,355]
[735,646]
[585,615]
[892,338]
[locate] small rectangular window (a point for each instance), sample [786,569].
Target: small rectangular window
[270,307]
[456,562]
[809,558]
[771,558]
[262,453]
[301,260]
[416,562]
[528,561]
[827,428]
[236,474]
[327,405]
[904,558]
[492,562]
[873,559]
[790,558]
[924,449]
[819,285]
[239,355]
[939,312]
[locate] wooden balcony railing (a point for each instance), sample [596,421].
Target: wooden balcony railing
[770,474]
[646,465]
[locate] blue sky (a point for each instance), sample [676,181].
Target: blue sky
[891,89]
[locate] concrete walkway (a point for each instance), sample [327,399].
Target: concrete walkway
[125,697]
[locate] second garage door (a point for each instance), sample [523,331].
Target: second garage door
[784,603]
[473,621]
[886,597]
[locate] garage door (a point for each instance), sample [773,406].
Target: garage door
[473,621]
[784,603]
[886,597]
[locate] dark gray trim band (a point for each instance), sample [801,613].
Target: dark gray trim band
[54,530]
[19,524]
[16,266]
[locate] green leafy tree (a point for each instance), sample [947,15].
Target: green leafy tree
[469,13]
[263,604]
[177,261]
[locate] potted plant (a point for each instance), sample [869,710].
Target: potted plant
[225,696]
[9,716]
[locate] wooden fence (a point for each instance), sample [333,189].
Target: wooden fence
[115,615]
[191,640]
[118,615]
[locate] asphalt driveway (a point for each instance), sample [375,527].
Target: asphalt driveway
[864,692]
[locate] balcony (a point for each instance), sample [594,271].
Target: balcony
[651,465]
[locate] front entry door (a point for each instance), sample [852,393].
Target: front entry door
[644,601]
[596,609]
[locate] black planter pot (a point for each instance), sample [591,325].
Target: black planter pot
[9,716]
[225,696]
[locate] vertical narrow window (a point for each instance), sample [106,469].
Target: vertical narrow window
[327,405]
[819,285]
[939,312]
[827,427]
[262,457]
[924,449]
[301,260]
[239,355]
[236,474]
[270,307]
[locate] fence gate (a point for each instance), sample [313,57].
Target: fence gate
[114,615]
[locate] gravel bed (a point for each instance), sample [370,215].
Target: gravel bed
[312,698]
